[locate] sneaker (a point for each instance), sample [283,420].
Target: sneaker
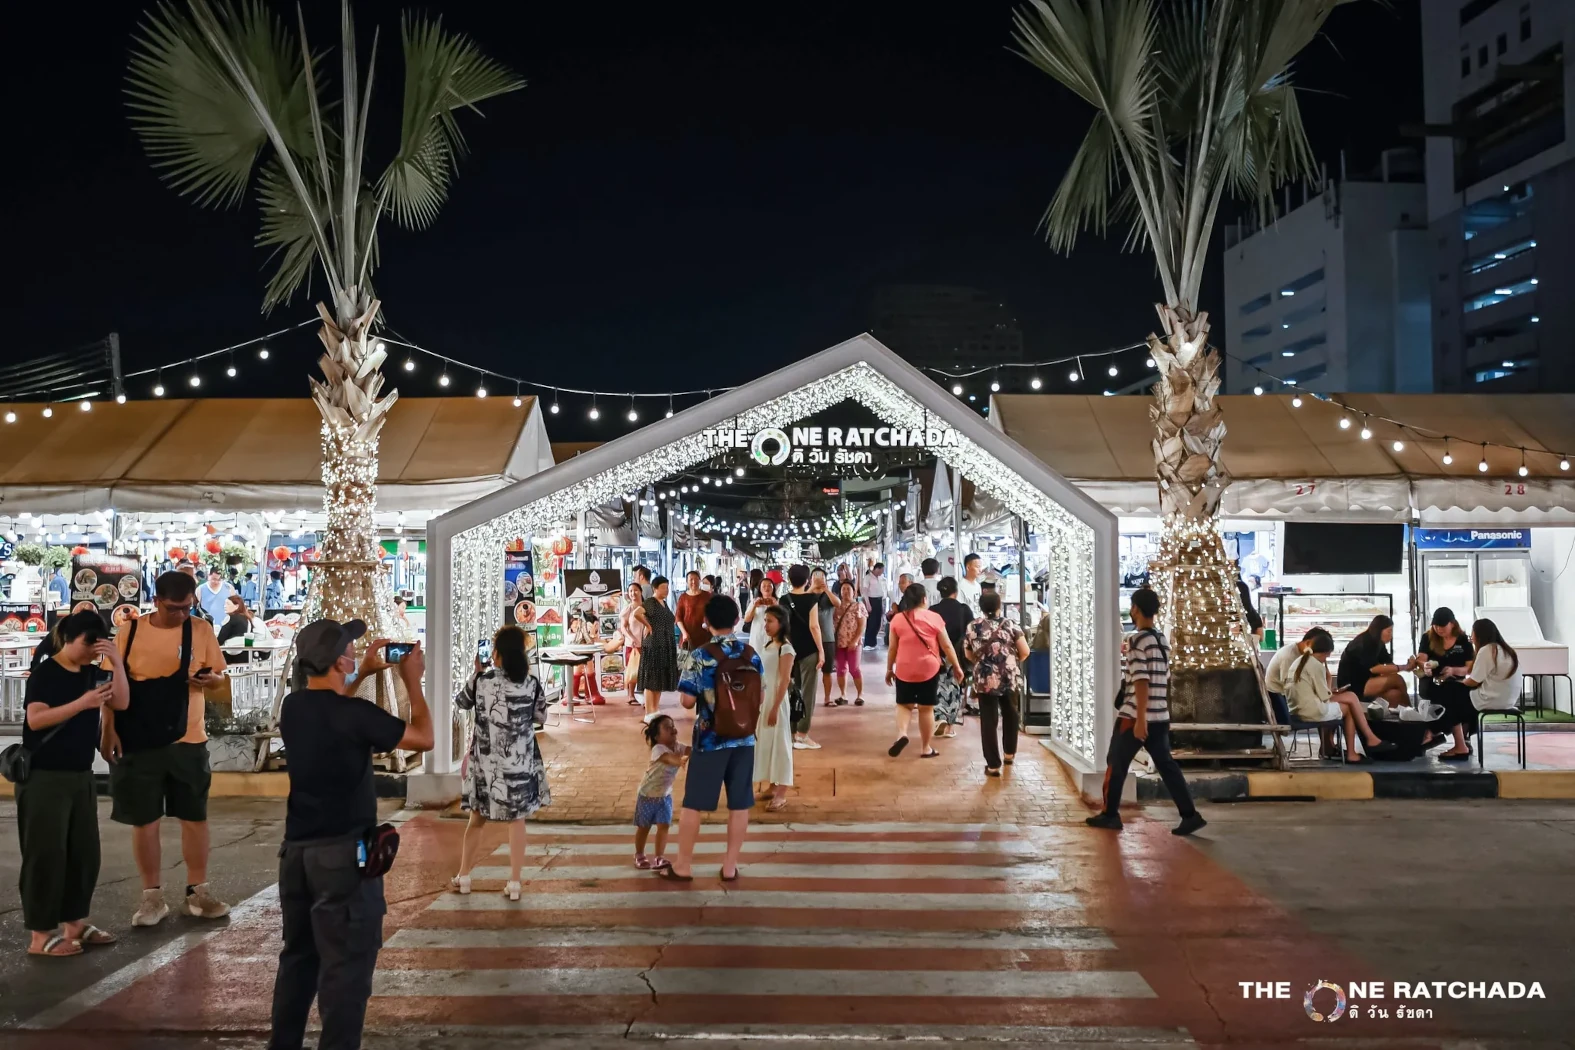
[1190,824]
[810,745]
[203,904]
[1108,821]
[152,910]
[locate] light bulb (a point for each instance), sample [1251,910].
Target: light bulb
[481,391]
[158,390]
[410,364]
[1366,433]
[1036,382]
[738,472]
[1482,466]
[381,346]
[633,415]
[230,371]
[1188,347]
[195,380]
[1113,370]
[1149,362]
[1448,459]
[443,379]
[1258,390]
[1523,471]
[1296,402]
[10,417]
[263,353]
[669,414]
[518,401]
[1345,422]
[48,411]
[554,408]
[1564,464]
[86,406]
[995,387]
[594,413]
[1398,446]
[957,388]
[120,399]
[1072,377]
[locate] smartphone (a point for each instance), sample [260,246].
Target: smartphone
[484,651]
[103,676]
[394,652]
[202,671]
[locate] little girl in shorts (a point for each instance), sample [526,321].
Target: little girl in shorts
[654,806]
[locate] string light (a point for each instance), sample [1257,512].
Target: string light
[995,385]
[195,380]
[1367,432]
[1073,376]
[158,384]
[443,379]
[1398,446]
[1448,459]
[48,411]
[86,406]
[634,416]
[10,417]
[594,413]
[669,407]
[518,401]
[1482,463]
[1149,363]
[1523,471]
[554,408]
[1036,382]
[120,399]
[1114,371]
[1258,390]
[957,389]
[262,353]
[230,371]
[481,388]
[1564,463]
[1296,402]
[410,363]
[1345,422]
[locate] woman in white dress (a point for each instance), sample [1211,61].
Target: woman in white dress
[774,730]
[765,598]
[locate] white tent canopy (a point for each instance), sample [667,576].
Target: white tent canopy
[465,546]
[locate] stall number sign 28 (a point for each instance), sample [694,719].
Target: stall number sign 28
[1514,488]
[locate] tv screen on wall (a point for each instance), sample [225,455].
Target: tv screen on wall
[1330,548]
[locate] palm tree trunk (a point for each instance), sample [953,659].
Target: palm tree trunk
[1195,579]
[348,580]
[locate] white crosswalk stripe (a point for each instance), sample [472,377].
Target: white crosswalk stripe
[676,896]
[1062,938]
[1022,872]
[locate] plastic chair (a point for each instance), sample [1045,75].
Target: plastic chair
[1520,734]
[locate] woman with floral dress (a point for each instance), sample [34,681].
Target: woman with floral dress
[505,778]
[997,647]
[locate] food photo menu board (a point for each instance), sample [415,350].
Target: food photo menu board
[519,588]
[23,618]
[110,584]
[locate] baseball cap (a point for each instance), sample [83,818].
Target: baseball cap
[322,642]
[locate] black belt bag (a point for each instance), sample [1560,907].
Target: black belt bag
[375,849]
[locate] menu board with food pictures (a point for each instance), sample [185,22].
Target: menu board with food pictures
[23,618]
[519,588]
[110,584]
[602,586]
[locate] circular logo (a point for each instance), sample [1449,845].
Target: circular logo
[757,448]
[1339,1002]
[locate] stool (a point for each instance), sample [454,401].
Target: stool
[1520,734]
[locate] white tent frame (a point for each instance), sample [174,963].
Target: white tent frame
[465,545]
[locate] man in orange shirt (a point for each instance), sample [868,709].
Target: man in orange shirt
[158,749]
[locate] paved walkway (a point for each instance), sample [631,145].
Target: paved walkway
[595,769]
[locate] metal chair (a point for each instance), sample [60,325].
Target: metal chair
[1283,715]
[1520,734]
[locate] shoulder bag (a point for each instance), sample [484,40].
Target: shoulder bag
[16,761]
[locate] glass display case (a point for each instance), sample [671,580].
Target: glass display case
[1345,616]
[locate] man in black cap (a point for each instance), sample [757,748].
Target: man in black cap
[333,915]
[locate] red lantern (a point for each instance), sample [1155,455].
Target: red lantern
[79,550]
[213,547]
[562,546]
[211,530]
[281,553]
[177,553]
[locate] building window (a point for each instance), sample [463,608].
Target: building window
[1525,22]
[1305,281]
[1479,263]
[1500,293]
[1255,305]
[1503,43]
[1465,65]
[1256,333]
[1482,57]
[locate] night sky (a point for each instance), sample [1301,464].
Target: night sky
[684,195]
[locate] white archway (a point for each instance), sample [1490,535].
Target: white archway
[465,546]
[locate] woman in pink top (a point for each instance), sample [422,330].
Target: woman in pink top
[918,644]
[633,637]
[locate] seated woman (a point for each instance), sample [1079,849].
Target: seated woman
[1447,654]
[1310,699]
[1369,670]
[1277,675]
[583,631]
[238,623]
[1494,680]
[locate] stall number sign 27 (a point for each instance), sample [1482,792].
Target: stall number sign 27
[774,446]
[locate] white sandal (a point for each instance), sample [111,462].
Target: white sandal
[512,891]
[461,884]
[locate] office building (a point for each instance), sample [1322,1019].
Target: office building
[1332,294]
[1501,192]
[945,326]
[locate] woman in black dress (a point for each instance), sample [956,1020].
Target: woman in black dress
[1449,654]
[659,651]
[1369,670]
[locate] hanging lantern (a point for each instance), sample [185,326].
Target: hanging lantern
[177,553]
[79,550]
[213,547]
[211,530]
[562,546]
[281,553]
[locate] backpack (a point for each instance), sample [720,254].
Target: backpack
[736,709]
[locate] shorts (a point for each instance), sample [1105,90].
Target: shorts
[709,771]
[848,662]
[653,810]
[168,781]
[1330,712]
[918,694]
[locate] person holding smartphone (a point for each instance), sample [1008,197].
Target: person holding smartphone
[157,747]
[332,911]
[57,805]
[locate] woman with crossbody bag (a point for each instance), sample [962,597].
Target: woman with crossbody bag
[914,665]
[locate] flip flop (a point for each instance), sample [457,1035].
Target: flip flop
[896,749]
[859,702]
[75,948]
[672,876]
[721,873]
[931,753]
[93,937]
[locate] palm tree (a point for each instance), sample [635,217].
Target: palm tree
[228,101]
[1192,99]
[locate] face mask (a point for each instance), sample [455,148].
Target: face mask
[351,677]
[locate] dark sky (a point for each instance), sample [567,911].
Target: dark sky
[684,195]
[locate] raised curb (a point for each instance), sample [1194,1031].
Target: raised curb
[1320,785]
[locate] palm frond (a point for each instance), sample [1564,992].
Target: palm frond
[443,73]
[1082,201]
[287,227]
[195,119]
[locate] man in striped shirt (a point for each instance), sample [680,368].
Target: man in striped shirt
[1143,720]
